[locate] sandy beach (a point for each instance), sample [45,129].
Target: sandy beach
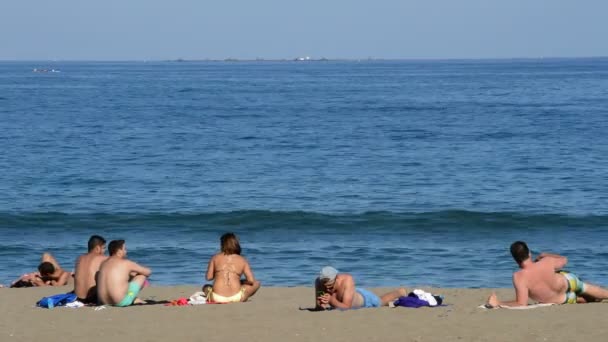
[274,315]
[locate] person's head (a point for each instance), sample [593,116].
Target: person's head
[46,269]
[327,277]
[97,244]
[207,288]
[230,244]
[520,252]
[118,248]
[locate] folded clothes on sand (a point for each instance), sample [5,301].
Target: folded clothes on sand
[197,298]
[419,298]
[75,304]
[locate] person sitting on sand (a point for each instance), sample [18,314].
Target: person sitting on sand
[337,290]
[87,266]
[207,290]
[226,269]
[49,274]
[544,281]
[120,280]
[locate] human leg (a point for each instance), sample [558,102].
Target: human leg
[392,296]
[249,290]
[594,293]
[47,257]
[135,286]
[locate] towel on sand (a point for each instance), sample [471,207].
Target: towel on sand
[527,307]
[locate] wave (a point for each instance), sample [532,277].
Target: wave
[265,219]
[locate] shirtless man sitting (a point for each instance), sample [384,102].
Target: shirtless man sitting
[544,281]
[87,266]
[49,274]
[226,269]
[119,280]
[337,290]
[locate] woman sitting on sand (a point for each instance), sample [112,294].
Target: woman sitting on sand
[226,269]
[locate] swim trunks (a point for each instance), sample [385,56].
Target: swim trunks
[231,299]
[132,293]
[575,287]
[370,300]
[92,299]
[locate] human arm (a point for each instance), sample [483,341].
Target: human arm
[62,280]
[348,294]
[521,294]
[37,280]
[558,261]
[249,278]
[321,297]
[138,269]
[211,269]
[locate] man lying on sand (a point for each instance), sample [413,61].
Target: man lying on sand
[49,274]
[87,266]
[337,290]
[545,282]
[119,280]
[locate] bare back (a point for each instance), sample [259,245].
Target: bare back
[226,271]
[542,282]
[85,272]
[113,279]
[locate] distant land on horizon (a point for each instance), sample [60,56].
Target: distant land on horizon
[306,59]
[303,59]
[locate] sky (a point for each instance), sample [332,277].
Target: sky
[284,29]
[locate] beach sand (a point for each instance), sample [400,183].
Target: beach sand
[274,315]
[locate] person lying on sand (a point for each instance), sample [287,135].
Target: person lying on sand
[87,266]
[120,280]
[337,290]
[226,269]
[49,273]
[544,281]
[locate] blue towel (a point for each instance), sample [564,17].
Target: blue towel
[56,300]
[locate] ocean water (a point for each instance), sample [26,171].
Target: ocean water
[399,172]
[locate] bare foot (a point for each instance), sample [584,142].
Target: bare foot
[493,300]
[138,301]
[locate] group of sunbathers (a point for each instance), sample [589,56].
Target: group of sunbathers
[97,278]
[115,280]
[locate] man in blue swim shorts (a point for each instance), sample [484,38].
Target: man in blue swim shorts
[120,280]
[338,290]
[543,280]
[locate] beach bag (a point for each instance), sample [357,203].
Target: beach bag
[56,300]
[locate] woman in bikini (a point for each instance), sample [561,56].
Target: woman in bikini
[226,269]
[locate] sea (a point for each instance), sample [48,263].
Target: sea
[413,173]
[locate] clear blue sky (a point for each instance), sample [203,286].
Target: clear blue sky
[198,29]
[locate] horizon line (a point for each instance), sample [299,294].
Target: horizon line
[305,59]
